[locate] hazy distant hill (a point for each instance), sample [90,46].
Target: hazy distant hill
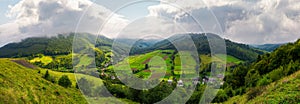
[58,45]
[268,47]
[241,51]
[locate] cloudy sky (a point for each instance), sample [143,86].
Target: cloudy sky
[245,21]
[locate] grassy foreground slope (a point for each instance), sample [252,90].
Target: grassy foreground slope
[284,91]
[22,85]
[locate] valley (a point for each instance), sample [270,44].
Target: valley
[247,70]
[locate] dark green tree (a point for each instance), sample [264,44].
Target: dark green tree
[65,81]
[146,66]
[47,75]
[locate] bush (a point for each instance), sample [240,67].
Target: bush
[253,92]
[276,74]
[64,81]
[264,81]
[221,96]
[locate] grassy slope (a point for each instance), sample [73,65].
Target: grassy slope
[286,90]
[205,59]
[23,85]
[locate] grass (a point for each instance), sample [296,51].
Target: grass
[229,59]
[19,84]
[284,91]
[206,59]
[43,59]
[73,77]
[155,59]
[22,85]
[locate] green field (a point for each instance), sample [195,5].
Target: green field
[206,59]
[43,59]
[138,63]
[229,59]
[73,77]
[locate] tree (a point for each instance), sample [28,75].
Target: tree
[221,96]
[146,66]
[251,78]
[64,81]
[47,75]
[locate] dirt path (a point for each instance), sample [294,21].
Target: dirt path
[24,63]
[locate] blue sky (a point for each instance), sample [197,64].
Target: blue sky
[4,9]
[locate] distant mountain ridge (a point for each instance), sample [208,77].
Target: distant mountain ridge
[241,51]
[62,44]
[268,47]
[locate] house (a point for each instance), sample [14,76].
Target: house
[113,77]
[220,76]
[180,83]
[170,81]
[221,83]
[204,80]
[211,80]
[195,80]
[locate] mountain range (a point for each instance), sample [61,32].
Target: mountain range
[62,44]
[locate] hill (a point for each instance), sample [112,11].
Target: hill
[266,77]
[268,47]
[240,51]
[23,85]
[283,91]
[57,45]
[62,45]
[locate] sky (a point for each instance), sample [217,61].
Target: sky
[243,21]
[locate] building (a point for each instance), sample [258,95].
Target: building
[180,83]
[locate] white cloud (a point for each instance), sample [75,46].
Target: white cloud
[246,21]
[47,18]
[254,22]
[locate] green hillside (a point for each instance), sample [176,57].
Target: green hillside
[248,72]
[56,45]
[240,51]
[268,47]
[284,91]
[22,85]
[265,80]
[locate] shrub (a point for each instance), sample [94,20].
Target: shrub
[264,81]
[276,74]
[253,92]
[64,81]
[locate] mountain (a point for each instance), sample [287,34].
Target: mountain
[273,76]
[141,43]
[241,51]
[61,44]
[137,45]
[268,47]
[19,84]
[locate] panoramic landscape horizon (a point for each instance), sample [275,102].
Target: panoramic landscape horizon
[149,51]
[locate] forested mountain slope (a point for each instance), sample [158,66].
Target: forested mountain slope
[251,78]
[241,51]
